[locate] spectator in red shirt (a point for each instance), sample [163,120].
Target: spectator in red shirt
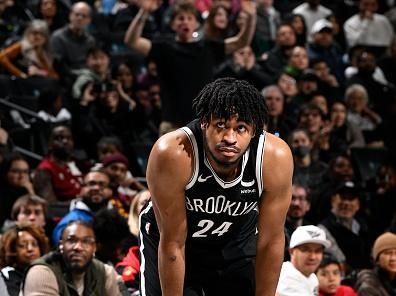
[57,177]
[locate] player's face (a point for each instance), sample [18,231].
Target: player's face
[306,258]
[227,139]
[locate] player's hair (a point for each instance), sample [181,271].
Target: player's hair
[226,97]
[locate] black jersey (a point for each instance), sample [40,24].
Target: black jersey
[221,215]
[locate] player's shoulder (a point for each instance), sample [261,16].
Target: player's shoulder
[174,144]
[275,146]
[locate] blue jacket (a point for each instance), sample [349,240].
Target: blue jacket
[78,211]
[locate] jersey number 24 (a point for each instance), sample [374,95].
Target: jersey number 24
[207,228]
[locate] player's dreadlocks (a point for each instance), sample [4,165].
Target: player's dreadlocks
[226,97]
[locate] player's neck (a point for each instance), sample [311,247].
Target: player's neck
[225,172]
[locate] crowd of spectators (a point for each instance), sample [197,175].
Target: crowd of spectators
[87,87]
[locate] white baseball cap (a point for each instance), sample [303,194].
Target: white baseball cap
[320,25]
[309,234]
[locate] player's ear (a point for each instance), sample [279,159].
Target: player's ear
[204,125]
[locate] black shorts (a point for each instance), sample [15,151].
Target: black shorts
[233,279]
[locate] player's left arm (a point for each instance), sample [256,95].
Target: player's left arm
[275,201]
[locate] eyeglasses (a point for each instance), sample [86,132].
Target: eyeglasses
[85,242]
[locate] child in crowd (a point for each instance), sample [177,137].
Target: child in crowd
[329,275]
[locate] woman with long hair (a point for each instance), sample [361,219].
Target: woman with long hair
[31,56]
[216,26]
[15,181]
[53,12]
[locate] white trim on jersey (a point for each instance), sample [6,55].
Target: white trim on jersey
[259,162]
[220,181]
[194,145]
[143,260]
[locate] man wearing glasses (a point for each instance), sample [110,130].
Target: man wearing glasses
[94,196]
[73,270]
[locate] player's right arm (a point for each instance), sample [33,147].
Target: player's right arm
[169,169]
[133,36]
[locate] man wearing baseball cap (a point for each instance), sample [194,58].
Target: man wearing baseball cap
[297,276]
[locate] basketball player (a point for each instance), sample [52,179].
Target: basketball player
[220,187]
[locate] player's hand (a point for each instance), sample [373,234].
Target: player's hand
[149,5]
[249,7]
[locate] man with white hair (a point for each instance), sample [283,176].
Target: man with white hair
[297,276]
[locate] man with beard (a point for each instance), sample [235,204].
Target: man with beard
[57,176]
[299,206]
[220,187]
[73,270]
[94,196]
